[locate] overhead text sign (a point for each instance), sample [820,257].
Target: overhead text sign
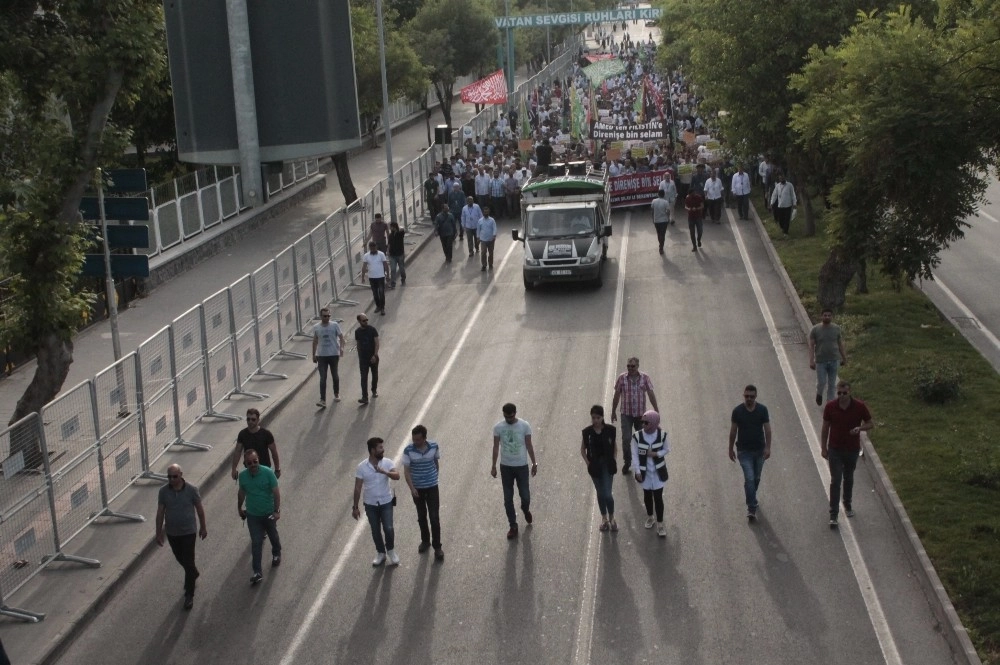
[576,18]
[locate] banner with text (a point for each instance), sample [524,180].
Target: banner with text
[634,190]
[577,18]
[653,130]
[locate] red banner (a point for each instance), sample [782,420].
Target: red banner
[490,90]
[634,190]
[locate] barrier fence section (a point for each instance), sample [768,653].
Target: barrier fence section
[63,468]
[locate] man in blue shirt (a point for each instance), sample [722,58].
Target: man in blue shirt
[421,464]
[751,433]
[486,231]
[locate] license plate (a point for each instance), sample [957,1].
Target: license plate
[562,272]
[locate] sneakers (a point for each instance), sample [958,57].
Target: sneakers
[661,530]
[483,269]
[336,398]
[393,557]
[275,561]
[650,521]
[850,512]
[188,602]
[439,554]
[374,394]
[378,560]
[321,404]
[423,547]
[751,514]
[255,579]
[512,533]
[363,401]
[819,399]
[833,521]
[527,516]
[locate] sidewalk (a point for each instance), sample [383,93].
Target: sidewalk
[70,593]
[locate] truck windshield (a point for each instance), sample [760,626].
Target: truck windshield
[557,223]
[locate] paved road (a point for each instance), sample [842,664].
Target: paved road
[457,343]
[965,283]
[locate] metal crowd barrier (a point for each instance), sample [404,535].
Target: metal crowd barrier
[63,468]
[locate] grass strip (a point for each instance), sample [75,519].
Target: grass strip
[943,459]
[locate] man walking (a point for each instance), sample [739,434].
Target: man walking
[750,431]
[661,217]
[826,354]
[378,233]
[445,227]
[375,268]
[741,190]
[256,438]
[328,346]
[713,196]
[372,477]
[471,214]
[695,206]
[259,489]
[367,340]
[486,236]
[631,388]
[512,443]
[397,251]
[177,504]
[669,189]
[782,202]
[421,464]
[844,419]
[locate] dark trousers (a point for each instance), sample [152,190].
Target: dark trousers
[682,192]
[366,365]
[842,465]
[743,206]
[183,549]
[447,244]
[378,291]
[653,499]
[630,424]
[498,207]
[473,240]
[715,209]
[322,363]
[661,232]
[695,228]
[784,218]
[487,250]
[428,503]
[508,476]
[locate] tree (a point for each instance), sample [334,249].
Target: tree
[891,108]
[453,38]
[65,65]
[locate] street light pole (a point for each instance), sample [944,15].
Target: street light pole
[385,112]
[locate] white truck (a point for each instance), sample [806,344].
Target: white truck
[565,224]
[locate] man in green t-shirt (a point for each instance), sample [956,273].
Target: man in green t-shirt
[826,354]
[259,489]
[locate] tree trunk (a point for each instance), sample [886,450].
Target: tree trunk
[54,356]
[808,214]
[862,276]
[834,277]
[344,178]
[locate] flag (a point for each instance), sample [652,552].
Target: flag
[525,121]
[490,90]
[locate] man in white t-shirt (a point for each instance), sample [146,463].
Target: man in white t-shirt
[328,346]
[373,476]
[375,267]
[512,443]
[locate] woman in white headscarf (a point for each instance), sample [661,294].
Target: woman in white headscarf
[650,446]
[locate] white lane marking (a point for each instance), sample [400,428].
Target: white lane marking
[890,653]
[968,312]
[987,215]
[362,527]
[588,594]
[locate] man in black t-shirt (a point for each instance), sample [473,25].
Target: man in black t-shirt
[368,344]
[254,437]
[751,433]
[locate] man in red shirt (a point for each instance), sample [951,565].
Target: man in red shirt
[694,203]
[844,419]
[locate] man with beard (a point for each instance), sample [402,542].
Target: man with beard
[372,477]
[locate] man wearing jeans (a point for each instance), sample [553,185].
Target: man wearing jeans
[512,442]
[375,267]
[631,388]
[328,346]
[259,489]
[373,476]
[178,503]
[421,463]
[750,432]
[826,354]
[844,419]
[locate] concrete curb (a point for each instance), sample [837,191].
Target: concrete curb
[937,597]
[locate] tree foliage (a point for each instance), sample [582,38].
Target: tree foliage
[64,65]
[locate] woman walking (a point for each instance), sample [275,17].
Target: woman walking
[599,452]
[650,446]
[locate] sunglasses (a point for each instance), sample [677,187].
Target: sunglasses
[173,475]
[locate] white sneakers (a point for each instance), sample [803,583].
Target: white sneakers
[661,530]
[379,560]
[650,521]
[393,558]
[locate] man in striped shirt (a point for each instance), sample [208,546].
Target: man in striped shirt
[421,462]
[631,388]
